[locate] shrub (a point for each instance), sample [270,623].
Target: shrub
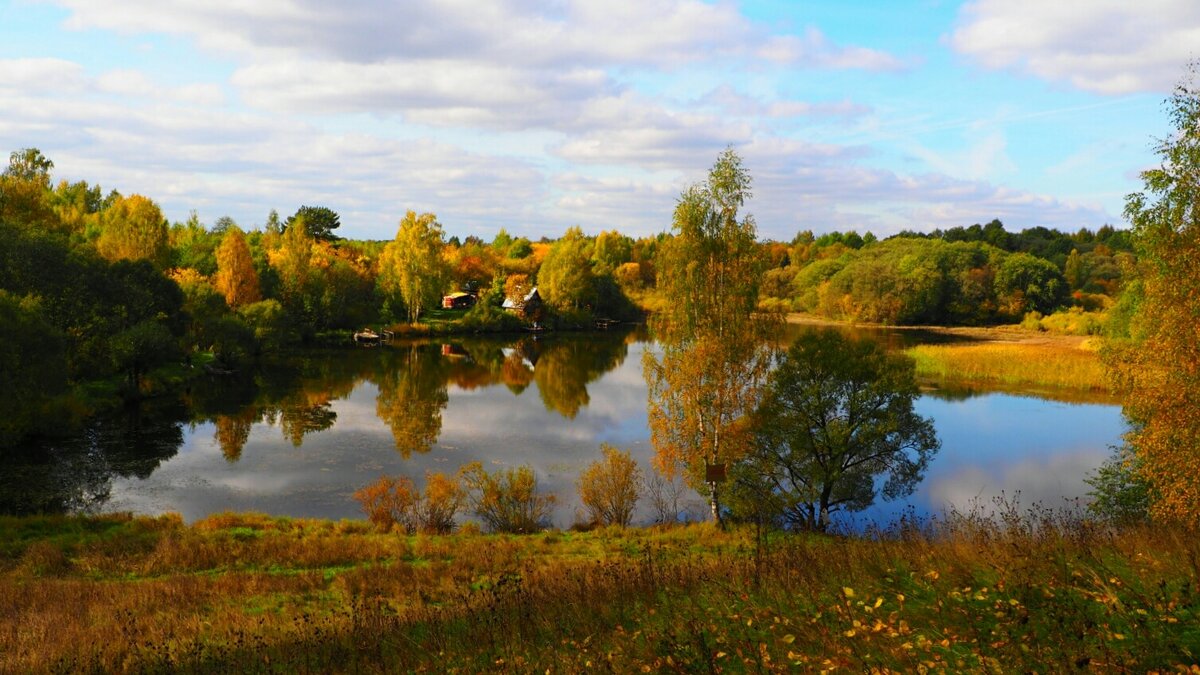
[508,500]
[668,498]
[396,501]
[1119,492]
[610,487]
[388,501]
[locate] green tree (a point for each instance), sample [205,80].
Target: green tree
[25,191]
[140,348]
[1161,371]
[29,164]
[32,366]
[704,385]
[836,418]
[565,280]
[412,265]
[611,250]
[1120,493]
[1027,283]
[193,246]
[1073,271]
[133,228]
[320,221]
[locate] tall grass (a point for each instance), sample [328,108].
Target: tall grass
[1037,365]
[1008,593]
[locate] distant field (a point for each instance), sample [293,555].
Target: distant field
[248,593]
[1063,365]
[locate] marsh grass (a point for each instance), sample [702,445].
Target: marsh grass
[1027,365]
[1005,591]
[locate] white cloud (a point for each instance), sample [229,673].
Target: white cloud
[40,75]
[1102,46]
[463,63]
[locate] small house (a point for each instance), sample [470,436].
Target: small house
[458,301]
[528,306]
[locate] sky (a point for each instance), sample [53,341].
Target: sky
[536,116]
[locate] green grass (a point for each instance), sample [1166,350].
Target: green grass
[1032,593]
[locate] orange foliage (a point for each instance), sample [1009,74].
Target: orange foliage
[1163,373]
[609,488]
[236,278]
[390,502]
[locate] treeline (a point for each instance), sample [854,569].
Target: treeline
[100,287]
[980,274]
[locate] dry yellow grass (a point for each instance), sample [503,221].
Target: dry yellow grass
[1069,366]
[1011,593]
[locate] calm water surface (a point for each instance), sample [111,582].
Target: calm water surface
[300,437]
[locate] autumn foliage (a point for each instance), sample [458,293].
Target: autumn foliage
[610,487]
[236,278]
[395,502]
[1163,372]
[508,500]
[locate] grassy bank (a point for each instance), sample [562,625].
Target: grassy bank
[1053,365]
[251,594]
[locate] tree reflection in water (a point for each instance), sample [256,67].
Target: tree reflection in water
[297,394]
[74,474]
[412,395]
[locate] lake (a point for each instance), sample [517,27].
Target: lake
[300,435]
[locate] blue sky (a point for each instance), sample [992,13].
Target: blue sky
[536,116]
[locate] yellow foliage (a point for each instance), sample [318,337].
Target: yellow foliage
[609,488]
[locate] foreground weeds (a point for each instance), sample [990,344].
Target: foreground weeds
[258,594]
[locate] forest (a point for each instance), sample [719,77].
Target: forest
[103,299]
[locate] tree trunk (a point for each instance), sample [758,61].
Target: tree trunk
[714,504]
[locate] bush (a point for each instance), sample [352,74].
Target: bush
[1073,321]
[508,500]
[487,317]
[389,502]
[610,487]
[1119,495]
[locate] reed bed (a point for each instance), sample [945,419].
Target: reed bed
[1030,592]
[1019,364]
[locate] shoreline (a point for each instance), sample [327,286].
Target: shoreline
[1006,334]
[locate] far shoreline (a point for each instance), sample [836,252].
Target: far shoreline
[1008,333]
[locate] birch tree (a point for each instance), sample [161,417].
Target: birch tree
[705,383]
[412,265]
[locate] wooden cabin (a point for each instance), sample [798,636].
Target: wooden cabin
[458,301]
[528,307]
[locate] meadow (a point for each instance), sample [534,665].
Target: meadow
[1061,364]
[1029,591]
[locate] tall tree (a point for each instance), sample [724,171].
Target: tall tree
[25,191]
[412,265]
[704,385]
[133,228]
[1026,282]
[565,280]
[236,278]
[321,221]
[32,366]
[291,262]
[1163,372]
